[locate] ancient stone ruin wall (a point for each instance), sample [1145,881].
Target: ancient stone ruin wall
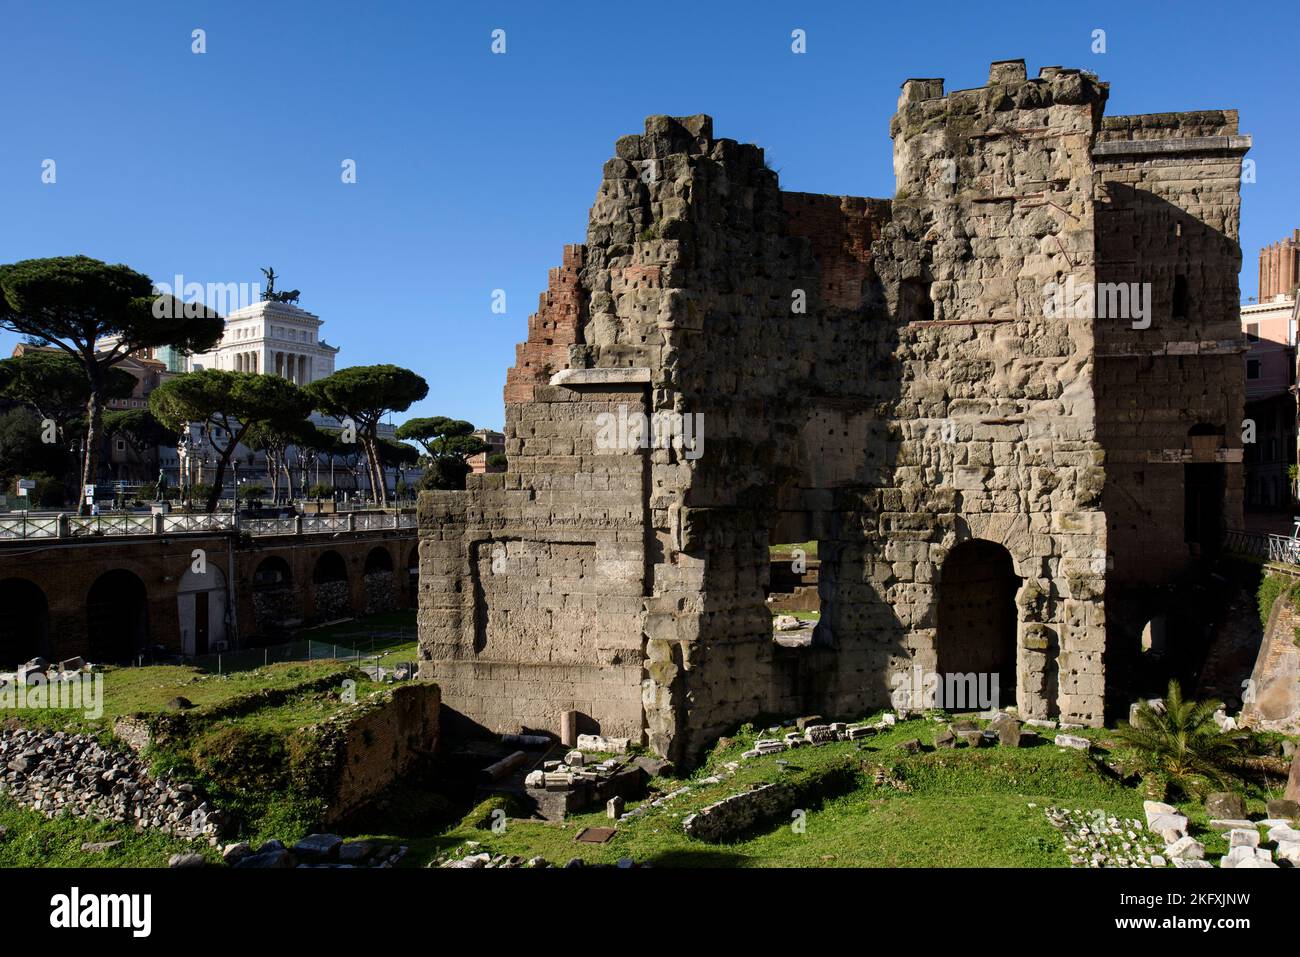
[879,376]
[1169,209]
[995,421]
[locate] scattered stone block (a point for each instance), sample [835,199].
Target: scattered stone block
[1153,809]
[945,739]
[574,759]
[355,852]
[598,742]
[1073,741]
[1227,825]
[1283,834]
[1186,849]
[820,734]
[186,860]
[318,846]
[1225,805]
[1162,823]
[99,847]
[1243,837]
[1008,733]
[1285,809]
[614,808]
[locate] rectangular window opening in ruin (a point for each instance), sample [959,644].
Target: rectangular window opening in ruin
[793,592]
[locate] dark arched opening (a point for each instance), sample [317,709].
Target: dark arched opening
[977,624]
[117,616]
[25,624]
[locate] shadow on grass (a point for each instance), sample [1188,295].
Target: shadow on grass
[697,857]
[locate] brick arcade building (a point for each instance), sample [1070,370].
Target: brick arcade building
[995,484]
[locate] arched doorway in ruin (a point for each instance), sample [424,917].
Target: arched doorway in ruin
[117,616]
[977,622]
[25,624]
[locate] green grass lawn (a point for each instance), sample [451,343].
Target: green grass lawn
[960,808]
[33,840]
[392,636]
[148,689]
[786,551]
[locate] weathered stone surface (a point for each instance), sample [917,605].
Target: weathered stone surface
[1243,837]
[1187,849]
[897,378]
[318,846]
[1168,823]
[1225,805]
[1283,808]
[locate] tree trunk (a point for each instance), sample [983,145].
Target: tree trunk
[219,479]
[94,423]
[377,481]
[273,472]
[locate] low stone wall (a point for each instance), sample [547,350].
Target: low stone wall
[765,805]
[366,748]
[741,813]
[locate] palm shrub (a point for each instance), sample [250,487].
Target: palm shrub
[1181,747]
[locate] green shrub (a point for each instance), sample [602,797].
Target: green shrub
[1182,745]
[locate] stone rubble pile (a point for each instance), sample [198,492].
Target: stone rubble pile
[314,851]
[40,670]
[815,734]
[1094,839]
[1004,729]
[55,772]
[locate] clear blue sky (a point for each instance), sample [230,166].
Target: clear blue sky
[475,169]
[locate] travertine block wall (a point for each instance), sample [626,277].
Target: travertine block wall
[879,375]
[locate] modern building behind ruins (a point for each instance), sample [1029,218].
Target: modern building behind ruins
[994,473]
